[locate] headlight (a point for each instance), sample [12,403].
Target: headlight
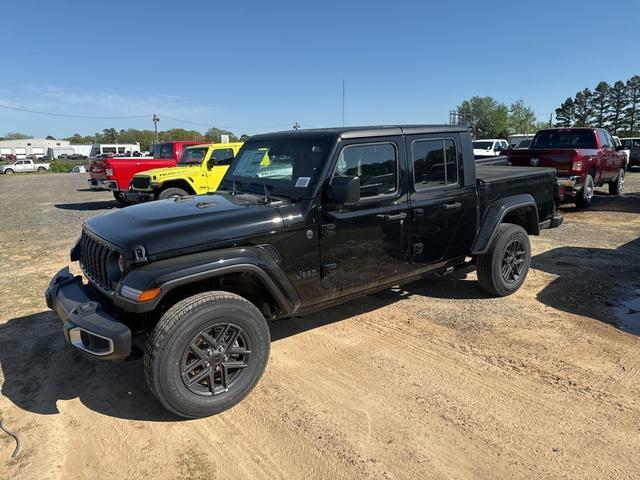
[115,266]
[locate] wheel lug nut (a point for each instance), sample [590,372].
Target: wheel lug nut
[207,364]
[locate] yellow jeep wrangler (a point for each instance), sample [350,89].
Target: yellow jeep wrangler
[199,170]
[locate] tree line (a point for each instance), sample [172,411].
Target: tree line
[488,118]
[147,137]
[614,107]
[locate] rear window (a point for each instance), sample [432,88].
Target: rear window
[482,145]
[565,139]
[163,150]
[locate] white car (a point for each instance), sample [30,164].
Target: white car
[489,147]
[20,166]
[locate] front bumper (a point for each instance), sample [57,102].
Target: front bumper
[138,197]
[86,325]
[111,185]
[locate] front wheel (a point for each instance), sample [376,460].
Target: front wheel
[119,197]
[502,270]
[8,171]
[172,192]
[585,196]
[615,186]
[206,354]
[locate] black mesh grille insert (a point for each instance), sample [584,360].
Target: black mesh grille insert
[93,260]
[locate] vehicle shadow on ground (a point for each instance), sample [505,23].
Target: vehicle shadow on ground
[603,202]
[89,206]
[40,369]
[593,282]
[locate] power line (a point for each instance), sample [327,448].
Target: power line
[152,115]
[72,116]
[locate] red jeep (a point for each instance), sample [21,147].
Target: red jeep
[584,158]
[115,173]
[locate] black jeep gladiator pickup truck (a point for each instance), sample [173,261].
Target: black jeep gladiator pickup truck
[303,220]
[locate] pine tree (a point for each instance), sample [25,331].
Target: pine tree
[600,104]
[583,108]
[618,100]
[565,115]
[632,112]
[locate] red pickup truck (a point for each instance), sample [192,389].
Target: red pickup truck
[584,158]
[115,173]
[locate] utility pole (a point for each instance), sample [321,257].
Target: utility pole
[343,102]
[296,126]
[156,119]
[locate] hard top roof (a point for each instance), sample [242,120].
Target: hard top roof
[366,131]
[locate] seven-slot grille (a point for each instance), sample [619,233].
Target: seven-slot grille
[93,260]
[142,183]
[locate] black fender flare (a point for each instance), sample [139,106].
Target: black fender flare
[496,213]
[171,273]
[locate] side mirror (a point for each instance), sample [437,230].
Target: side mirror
[345,190]
[619,148]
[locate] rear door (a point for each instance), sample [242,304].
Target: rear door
[364,244]
[439,200]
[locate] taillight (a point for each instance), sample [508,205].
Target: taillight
[576,163]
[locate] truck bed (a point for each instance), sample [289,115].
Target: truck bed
[496,182]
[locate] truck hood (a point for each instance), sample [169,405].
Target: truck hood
[163,174]
[186,224]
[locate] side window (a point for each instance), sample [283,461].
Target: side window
[603,139]
[435,163]
[221,156]
[375,164]
[610,140]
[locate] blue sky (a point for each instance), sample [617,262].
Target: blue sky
[260,66]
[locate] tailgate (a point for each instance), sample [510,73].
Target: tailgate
[560,159]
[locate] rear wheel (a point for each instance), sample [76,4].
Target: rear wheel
[172,192]
[41,169]
[503,269]
[206,354]
[585,196]
[615,186]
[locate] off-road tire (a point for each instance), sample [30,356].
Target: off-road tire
[120,199]
[179,327]
[172,192]
[8,171]
[616,186]
[490,265]
[585,195]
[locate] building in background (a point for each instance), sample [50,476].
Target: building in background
[114,148]
[30,146]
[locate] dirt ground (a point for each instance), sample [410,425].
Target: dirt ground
[432,380]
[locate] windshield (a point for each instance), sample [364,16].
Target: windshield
[163,150]
[565,139]
[193,156]
[482,145]
[286,166]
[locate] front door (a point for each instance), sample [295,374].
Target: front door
[217,166]
[363,244]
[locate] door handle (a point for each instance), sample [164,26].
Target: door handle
[392,218]
[451,206]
